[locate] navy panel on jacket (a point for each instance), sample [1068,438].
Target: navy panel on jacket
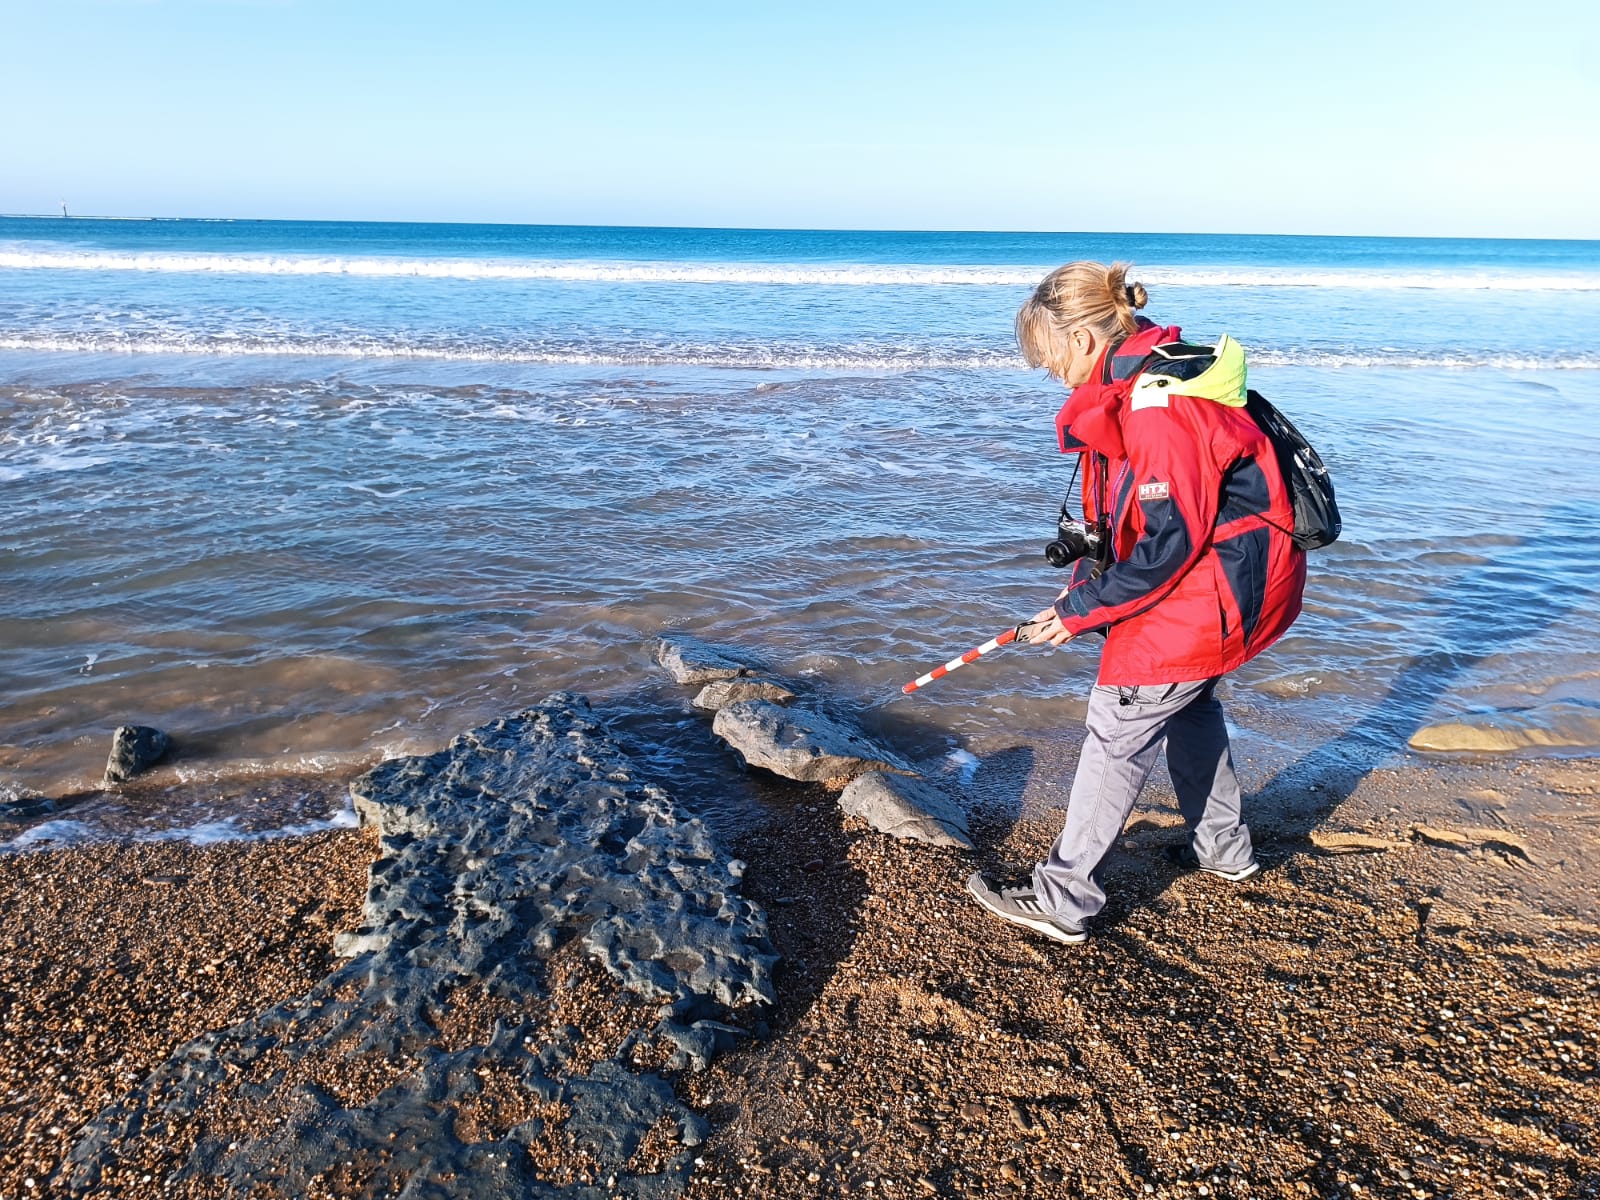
[1244,564]
[1244,492]
[1155,561]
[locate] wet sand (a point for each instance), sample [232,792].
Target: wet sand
[1405,1003]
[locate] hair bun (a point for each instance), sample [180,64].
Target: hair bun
[1137,296]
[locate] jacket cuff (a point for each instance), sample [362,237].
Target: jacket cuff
[1075,603]
[1072,609]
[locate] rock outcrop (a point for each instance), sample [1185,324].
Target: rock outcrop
[801,743]
[905,807]
[520,838]
[723,692]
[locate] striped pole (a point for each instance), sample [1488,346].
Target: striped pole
[977,652]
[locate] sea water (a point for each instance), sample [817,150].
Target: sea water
[305,494]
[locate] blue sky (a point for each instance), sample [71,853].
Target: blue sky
[1365,118]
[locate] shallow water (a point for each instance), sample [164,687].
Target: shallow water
[302,561]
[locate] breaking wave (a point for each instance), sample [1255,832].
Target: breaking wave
[761,357]
[872,357]
[838,274]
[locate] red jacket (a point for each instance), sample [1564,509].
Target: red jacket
[1203,576]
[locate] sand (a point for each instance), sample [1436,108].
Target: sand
[114,955]
[1406,1002]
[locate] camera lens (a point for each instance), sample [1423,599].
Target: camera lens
[1074,540]
[1057,555]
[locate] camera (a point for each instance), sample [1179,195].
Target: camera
[1075,539]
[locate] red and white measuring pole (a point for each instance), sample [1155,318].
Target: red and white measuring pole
[1024,631]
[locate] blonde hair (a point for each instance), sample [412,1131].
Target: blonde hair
[1078,294]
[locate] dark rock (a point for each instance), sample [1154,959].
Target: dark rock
[694,1130]
[699,1043]
[612,1110]
[518,837]
[723,692]
[907,808]
[22,804]
[689,660]
[135,749]
[800,743]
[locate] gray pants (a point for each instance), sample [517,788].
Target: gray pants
[1126,728]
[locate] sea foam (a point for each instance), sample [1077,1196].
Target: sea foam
[873,357]
[835,274]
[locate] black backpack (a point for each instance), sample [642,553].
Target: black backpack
[1316,512]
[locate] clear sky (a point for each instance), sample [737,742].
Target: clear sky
[1394,117]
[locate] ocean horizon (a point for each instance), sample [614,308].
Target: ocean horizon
[867,229]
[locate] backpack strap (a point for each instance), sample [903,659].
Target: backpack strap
[1116,367]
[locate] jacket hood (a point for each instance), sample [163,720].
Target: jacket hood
[1090,419]
[1214,373]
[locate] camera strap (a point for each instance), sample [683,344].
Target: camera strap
[1100,476]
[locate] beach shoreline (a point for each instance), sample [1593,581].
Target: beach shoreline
[1404,1003]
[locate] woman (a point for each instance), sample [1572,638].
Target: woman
[1194,575]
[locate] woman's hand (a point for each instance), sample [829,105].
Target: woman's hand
[1048,628]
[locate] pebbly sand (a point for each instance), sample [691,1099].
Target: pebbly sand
[1405,1003]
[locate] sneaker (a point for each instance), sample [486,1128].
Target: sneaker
[1019,903]
[1183,856]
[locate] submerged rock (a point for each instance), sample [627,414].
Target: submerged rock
[723,692]
[135,749]
[689,660]
[21,804]
[518,838]
[906,808]
[1559,725]
[800,743]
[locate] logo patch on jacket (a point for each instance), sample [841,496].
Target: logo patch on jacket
[1150,391]
[1152,491]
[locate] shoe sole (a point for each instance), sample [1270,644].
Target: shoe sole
[1249,871]
[1048,928]
[1238,876]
